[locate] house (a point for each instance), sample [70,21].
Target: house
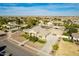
[41,23]
[30,31]
[6,26]
[75,22]
[38,31]
[47,26]
[12,25]
[49,23]
[41,31]
[75,36]
[23,25]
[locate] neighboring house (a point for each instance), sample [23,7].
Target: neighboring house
[75,36]
[14,29]
[12,24]
[47,26]
[6,26]
[59,27]
[76,22]
[49,23]
[58,23]
[23,25]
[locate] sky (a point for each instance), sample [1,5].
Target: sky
[39,9]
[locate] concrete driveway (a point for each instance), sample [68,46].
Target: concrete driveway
[51,40]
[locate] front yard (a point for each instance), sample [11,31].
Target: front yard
[67,49]
[18,36]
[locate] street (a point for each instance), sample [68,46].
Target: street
[14,49]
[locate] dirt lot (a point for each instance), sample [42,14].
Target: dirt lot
[18,36]
[67,49]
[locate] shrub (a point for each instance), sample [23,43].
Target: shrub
[33,38]
[41,41]
[66,34]
[26,35]
[55,47]
[66,39]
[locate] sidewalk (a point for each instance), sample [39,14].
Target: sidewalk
[39,52]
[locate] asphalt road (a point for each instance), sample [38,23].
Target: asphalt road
[14,49]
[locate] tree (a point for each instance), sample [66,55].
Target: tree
[26,35]
[31,22]
[45,21]
[33,38]
[18,21]
[55,47]
[3,21]
[72,30]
